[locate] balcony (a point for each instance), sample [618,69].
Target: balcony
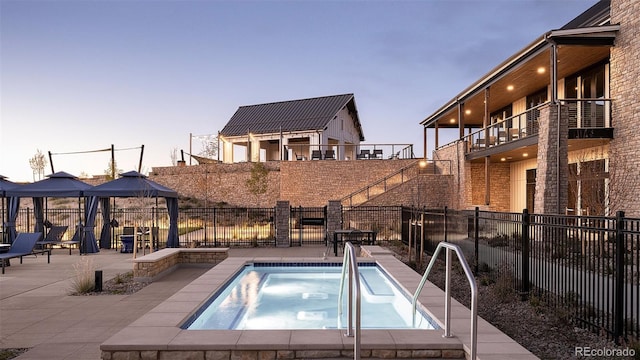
[589,122]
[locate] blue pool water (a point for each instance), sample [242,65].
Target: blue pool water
[268,296]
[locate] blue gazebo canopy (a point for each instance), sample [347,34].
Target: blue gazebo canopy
[134,184]
[56,185]
[60,184]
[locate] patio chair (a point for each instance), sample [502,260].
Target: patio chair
[364,154]
[126,239]
[23,245]
[54,237]
[377,153]
[316,155]
[329,155]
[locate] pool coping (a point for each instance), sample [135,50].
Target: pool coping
[159,329]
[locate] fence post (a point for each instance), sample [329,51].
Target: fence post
[526,223]
[215,229]
[446,225]
[476,236]
[618,309]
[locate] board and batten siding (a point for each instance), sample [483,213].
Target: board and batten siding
[519,183]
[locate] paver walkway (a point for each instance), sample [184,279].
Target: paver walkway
[36,311]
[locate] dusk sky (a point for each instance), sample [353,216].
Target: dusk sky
[82,75]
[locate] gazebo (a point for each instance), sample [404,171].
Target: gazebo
[132,184]
[8,222]
[57,185]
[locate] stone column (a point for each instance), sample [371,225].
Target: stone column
[334,218]
[624,171]
[551,174]
[283,212]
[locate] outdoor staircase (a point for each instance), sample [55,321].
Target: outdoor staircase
[387,183]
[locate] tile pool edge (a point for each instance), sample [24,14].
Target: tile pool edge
[159,330]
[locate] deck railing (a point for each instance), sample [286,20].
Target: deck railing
[582,114]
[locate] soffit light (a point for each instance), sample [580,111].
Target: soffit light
[510,88]
[467,111]
[452,120]
[541,70]
[525,154]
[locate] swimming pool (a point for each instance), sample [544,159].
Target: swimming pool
[304,296]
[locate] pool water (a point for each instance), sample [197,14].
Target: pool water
[304,297]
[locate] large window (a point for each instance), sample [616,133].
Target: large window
[589,87]
[533,113]
[587,188]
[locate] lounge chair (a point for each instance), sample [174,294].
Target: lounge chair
[54,237]
[23,245]
[329,155]
[364,154]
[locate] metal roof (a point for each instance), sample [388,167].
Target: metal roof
[293,115]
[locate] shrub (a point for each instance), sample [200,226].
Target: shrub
[84,280]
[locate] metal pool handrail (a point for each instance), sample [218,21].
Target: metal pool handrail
[349,263]
[447,290]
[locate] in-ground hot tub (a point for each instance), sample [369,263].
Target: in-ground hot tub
[158,334]
[282,295]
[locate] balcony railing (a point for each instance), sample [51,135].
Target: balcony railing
[350,151]
[583,114]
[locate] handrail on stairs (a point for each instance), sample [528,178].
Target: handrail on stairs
[350,265]
[366,189]
[447,307]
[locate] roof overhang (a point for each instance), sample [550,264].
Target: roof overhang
[578,48]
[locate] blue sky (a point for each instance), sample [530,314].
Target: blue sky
[82,75]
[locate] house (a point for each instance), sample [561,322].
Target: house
[317,128]
[553,128]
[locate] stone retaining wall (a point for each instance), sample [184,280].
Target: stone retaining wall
[157,264]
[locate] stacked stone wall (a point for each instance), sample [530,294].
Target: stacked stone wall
[302,183]
[625,71]
[314,183]
[221,183]
[452,158]
[426,190]
[551,175]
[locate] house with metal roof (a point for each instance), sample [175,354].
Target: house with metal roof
[316,128]
[553,128]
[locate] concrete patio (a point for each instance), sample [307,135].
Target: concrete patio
[36,311]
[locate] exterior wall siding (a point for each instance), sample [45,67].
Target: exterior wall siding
[518,186]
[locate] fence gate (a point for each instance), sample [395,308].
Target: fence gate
[308,225]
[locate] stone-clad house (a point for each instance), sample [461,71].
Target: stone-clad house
[315,128]
[553,128]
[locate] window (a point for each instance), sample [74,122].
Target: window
[590,87]
[531,190]
[587,187]
[533,113]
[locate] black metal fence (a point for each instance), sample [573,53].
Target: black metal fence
[588,266]
[386,221]
[308,225]
[213,227]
